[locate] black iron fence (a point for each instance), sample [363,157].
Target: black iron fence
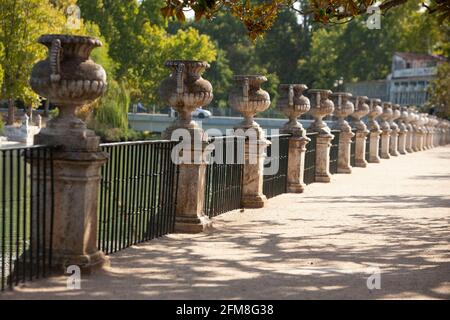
[334,151]
[137,193]
[224,171]
[276,165]
[353,150]
[309,175]
[26,214]
[367,154]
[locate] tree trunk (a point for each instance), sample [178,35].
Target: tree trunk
[11,115]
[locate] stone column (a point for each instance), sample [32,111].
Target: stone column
[321,106]
[410,133]
[361,109]
[403,130]
[343,107]
[374,128]
[393,142]
[426,131]
[248,98]
[293,104]
[385,130]
[416,134]
[77,159]
[185,90]
[420,132]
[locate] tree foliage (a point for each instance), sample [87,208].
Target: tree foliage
[258,16]
[440,91]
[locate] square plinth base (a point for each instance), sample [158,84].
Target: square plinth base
[192,225]
[254,202]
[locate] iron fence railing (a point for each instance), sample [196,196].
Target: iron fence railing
[353,150]
[137,193]
[334,151]
[26,214]
[309,174]
[276,165]
[223,182]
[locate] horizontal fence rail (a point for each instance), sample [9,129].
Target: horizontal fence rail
[224,172]
[275,167]
[334,151]
[137,194]
[26,214]
[309,174]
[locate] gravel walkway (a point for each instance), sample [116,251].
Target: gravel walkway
[322,244]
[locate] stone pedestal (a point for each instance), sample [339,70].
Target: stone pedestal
[402,142]
[345,140]
[374,137]
[409,140]
[385,137]
[76,185]
[296,163]
[323,147]
[253,176]
[360,149]
[393,143]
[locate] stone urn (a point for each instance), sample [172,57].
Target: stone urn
[185,90]
[321,106]
[385,116]
[411,119]
[343,107]
[395,115]
[293,104]
[403,119]
[375,111]
[248,98]
[361,109]
[69,79]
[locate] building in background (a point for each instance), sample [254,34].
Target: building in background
[411,74]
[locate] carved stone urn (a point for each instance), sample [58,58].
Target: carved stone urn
[343,107]
[69,79]
[385,116]
[321,106]
[185,90]
[293,104]
[375,111]
[361,109]
[396,114]
[248,98]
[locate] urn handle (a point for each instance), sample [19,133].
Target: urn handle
[291,95]
[245,90]
[55,57]
[180,83]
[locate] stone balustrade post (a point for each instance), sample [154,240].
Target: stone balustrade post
[385,130]
[293,104]
[77,158]
[410,132]
[361,109]
[393,142]
[321,106]
[343,107]
[179,92]
[248,98]
[403,130]
[374,128]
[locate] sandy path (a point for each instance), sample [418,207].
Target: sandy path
[394,215]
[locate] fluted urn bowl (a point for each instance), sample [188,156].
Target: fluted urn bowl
[185,90]
[361,107]
[68,76]
[321,106]
[396,112]
[248,98]
[374,108]
[293,103]
[387,111]
[342,108]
